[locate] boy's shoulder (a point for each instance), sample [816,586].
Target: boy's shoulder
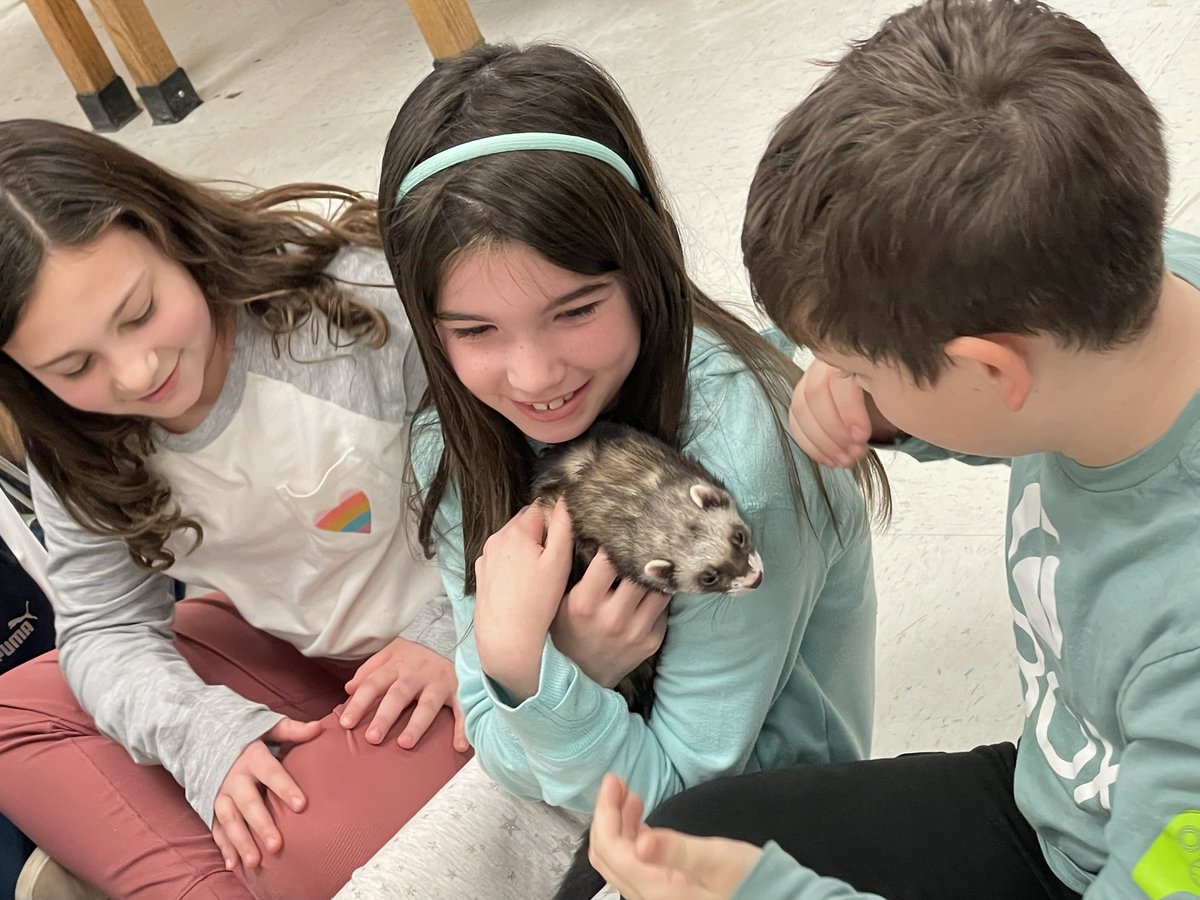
[1182,251]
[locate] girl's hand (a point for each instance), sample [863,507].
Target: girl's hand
[242,825]
[832,418]
[647,863]
[400,673]
[609,631]
[519,583]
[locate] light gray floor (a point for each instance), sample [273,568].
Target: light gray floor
[306,89]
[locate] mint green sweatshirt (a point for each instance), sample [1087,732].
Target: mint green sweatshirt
[1104,577]
[780,675]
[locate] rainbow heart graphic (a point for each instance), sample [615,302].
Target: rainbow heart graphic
[353,513]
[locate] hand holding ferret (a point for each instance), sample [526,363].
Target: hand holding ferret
[647,863]
[520,579]
[608,631]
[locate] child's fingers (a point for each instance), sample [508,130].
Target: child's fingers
[811,437]
[237,834]
[606,820]
[361,700]
[275,778]
[461,744]
[816,419]
[664,847]
[598,576]
[395,700]
[260,822]
[364,671]
[631,815]
[650,617]
[615,825]
[229,853]
[715,865]
[289,731]
[797,429]
[560,543]
[422,717]
[823,395]
[851,402]
[531,522]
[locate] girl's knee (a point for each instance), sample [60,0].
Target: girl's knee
[36,695]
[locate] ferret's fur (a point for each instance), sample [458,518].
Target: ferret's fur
[665,522]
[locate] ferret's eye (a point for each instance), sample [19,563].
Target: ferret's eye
[708,578]
[739,537]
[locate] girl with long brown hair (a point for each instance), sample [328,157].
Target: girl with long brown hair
[546,287]
[215,389]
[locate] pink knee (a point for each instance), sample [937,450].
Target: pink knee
[359,795]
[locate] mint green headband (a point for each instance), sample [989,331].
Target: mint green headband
[505,143]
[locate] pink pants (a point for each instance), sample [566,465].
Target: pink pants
[129,830]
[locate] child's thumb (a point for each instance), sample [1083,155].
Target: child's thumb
[289,731]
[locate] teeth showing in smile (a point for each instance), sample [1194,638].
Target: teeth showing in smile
[556,403]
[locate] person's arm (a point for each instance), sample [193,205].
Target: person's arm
[777,876]
[1155,815]
[647,863]
[835,421]
[923,451]
[117,652]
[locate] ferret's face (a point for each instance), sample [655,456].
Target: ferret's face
[720,557]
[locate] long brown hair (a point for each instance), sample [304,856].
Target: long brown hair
[576,212]
[62,187]
[977,166]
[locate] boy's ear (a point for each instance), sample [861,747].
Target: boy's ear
[1004,362]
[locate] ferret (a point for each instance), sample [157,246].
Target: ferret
[665,522]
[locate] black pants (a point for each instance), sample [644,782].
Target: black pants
[929,826]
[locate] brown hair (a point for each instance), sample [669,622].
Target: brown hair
[576,212]
[62,187]
[974,167]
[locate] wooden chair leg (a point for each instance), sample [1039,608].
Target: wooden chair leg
[100,91]
[448,26]
[163,85]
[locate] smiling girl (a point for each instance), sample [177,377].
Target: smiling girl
[210,389]
[545,283]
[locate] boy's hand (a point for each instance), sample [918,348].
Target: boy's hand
[647,863]
[400,673]
[242,825]
[608,631]
[833,419]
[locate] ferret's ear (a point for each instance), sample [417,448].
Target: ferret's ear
[660,571]
[706,496]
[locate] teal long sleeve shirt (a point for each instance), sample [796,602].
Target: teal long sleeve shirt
[781,675]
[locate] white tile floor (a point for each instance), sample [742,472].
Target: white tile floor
[306,89]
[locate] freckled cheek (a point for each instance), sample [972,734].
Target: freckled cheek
[615,351]
[480,373]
